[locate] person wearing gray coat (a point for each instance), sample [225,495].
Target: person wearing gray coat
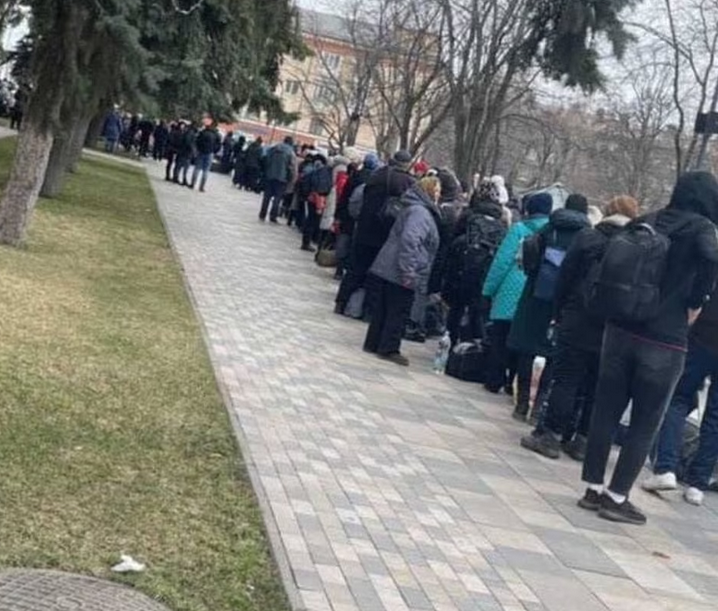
[403,266]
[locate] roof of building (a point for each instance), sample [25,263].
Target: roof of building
[331,26]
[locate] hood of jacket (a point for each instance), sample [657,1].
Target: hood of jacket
[569,220]
[416,196]
[615,220]
[696,192]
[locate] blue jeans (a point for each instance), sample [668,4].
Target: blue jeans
[202,164]
[700,364]
[181,169]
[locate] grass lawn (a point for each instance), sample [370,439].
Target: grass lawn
[113,436]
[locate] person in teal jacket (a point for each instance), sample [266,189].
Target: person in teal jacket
[504,285]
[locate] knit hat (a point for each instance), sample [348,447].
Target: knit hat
[539,203]
[402,158]
[577,202]
[449,185]
[421,167]
[371,161]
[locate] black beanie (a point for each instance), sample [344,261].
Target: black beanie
[577,202]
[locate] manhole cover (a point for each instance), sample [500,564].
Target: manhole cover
[28,590]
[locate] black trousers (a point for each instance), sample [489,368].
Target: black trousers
[474,310]
[171,157]
[630,369]
[310,225]
[391,308]
[360,261]
[575,373]
[502,361]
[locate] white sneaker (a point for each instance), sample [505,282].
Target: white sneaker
[664,481]
[693,496]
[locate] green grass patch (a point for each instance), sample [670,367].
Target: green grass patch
[113,436]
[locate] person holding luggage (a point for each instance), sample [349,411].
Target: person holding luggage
[402,265]
[651,285]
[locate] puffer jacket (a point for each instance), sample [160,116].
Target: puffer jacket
[280,163]
[408,254]
[505,280]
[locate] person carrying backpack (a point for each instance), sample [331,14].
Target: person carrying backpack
[480,233]
[543,256]
[578,341]
[651,284]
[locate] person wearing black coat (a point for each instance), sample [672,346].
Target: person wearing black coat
[463,282]
[641,362]
[530,327]
[372,228]
[253,166]
[185,152]
[160,137]
[146,127]
[238,157]
[578,341]
[174,141]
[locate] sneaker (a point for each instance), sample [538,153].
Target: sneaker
[576,448]
[274,221]
[660,482]
[545,444]
[397,358]
[693,496]
[625,513]
[591,501]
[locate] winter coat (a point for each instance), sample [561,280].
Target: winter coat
[705,331]
[339,172]
[529,330]
[449,214]
[208,142]
[505,280]
[253,156]
[161,134]
[112,127]
[407,256]
[279,164]
[186,146]
[174,141]
[576,327]
[372,230]
[690,273]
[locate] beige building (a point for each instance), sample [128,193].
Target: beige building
[327,91]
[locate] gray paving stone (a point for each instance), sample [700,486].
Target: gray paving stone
[578,552]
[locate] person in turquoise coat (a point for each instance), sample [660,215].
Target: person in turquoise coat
[503,286]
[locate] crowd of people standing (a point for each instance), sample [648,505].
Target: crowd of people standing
[616,301]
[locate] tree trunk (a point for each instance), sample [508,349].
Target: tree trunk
[56,166]
[26,177]
[94,130]
[77,141]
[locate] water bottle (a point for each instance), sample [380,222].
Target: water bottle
[441,356]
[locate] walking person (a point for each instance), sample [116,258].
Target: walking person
[373,227]
[503,286]
[207,144]
[278,173]
[579,334]
[701,362]
[403,264]
[111,131]
[542,259]
[185,153]
[652,285]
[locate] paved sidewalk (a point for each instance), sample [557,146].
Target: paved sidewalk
[392,489]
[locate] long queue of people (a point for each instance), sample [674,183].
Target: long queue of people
[618,303]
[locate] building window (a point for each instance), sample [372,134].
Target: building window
[324,94]
[331,61]
[316,126]
[291,87]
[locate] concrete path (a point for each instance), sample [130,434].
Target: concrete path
[392,489]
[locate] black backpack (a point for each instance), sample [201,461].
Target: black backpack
[483,238]
[625,285]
